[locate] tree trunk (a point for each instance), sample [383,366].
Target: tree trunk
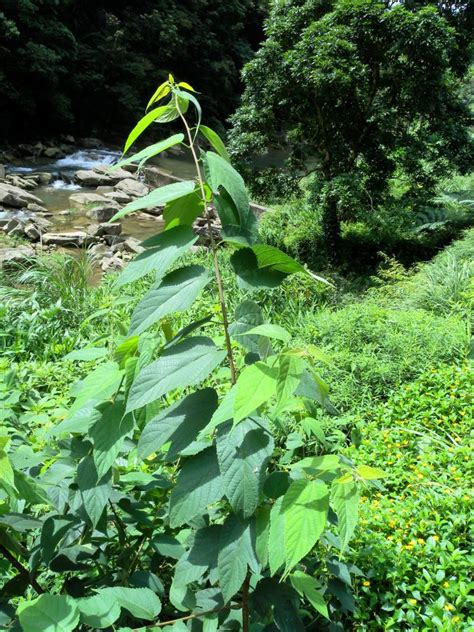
[331,225]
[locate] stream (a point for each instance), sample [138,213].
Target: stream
[55,195]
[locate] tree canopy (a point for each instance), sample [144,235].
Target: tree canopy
[359,91]
[74,66]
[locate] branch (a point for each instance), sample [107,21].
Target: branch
[21,569]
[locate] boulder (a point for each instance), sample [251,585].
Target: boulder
[99,230]
[21,254]
[115,176]
[132,187]
[44,177]
[90,143]
[2,171]
[76,238]
[102,213]
[111,264]
[36,208]
[115,240]
[99,250]
[80,200]
[14,196]
[33,232]
[10,224]
[118,196]
[53,152]
[104,188]
[133,245]
[91,178]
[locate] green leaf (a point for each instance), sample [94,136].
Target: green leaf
[276,549]
[255,386]
[49,613]
[215,140]
[162,253]
[157,197]
[304,508]
[183,210]
[368,473]
[7,476]
[247,316]
[345,501]
[178,425]
[87,353]
[126,350]
[108,434]
[184,364]
[236,552]
[201,555]
[98,386]
[192,99]
[313,387]
[270,331]
[223,174]
[160,93]
[142,603]
[150,151]
[250,276]
[95,492]
[176,292]
[243,453]
[98,611]
[309,588]
[312,464]
[142,125]
[199,485]
[262,531]
[271,257]
[223,413]
[289,377]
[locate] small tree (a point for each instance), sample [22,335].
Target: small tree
[361,91]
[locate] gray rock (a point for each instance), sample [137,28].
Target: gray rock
[104,188]
[102,213]
[115,175]
[9,256]
[99,230]
[99,250]
[133,245]
[111,264]
[22,183]
[90,143]
[17,231]
[52,152]
[44,177]
[91,178]
[114,241]
[79,200]
[32,232]
[76,238]
[36,208]
[14,196]
[118,196]
[2,171]
[132,187]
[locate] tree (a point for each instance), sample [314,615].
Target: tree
[361,91]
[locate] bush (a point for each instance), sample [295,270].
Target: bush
[415,541]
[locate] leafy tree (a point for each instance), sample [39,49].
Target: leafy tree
[358,92]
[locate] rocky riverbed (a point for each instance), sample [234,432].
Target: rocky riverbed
[63,206]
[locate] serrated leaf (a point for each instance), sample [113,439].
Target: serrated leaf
[98,386]
[345,501]
[198,485]
[142,603]
[157,197]
[326,463]
[183,211]
[262,531]
[368,473]
[95,491]
[276,550]
[49,613]
[255,386]
[98,611]
[243,453]
[201,555]
[236,552]
[309,588]
[223,413]
[176,292]
[270,331]
[304,508]
[163,251]
[247,316]
[179,424]
[289,376]
[184,364]
[108,434]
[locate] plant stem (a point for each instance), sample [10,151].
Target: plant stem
[220,286]
[195,615]
[245,604]
[21,569]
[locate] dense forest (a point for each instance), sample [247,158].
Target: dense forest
[236,379]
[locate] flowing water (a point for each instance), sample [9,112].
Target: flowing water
[55,195]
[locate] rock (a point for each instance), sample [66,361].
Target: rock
[114,241]
[22,183]
[44,177]
[53,152]
[42,223]
[115,175]
[99,250]
[17,231]
[110,264]
[132,187]
[69,139]
[90,143]
[10,224]
[118,196]
[133,245]
[21,254]
[36,208]
[32,232]
[91,178]
[80,200]
[69,238]
[157,211]
[2,171]
[99,230]
[104,188]
[103,213]
[14,196]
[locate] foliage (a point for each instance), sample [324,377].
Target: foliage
[167,486]
[415,544]
[359,92]
[80,69]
